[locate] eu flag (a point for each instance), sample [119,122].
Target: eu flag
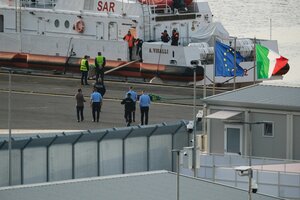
[224,61]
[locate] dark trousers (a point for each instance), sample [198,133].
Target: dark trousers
[128,117]
[84,76]
[130,53]
[133,112]
[144,113]
[79,110]
[96,110]
[101,75]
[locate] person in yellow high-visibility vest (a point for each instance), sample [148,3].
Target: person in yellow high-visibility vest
[100,64]
[84,68]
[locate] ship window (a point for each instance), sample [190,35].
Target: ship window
[1,23]
[56,23]
[268,129]
[88,4]
[67,24]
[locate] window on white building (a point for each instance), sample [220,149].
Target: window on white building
[268,129]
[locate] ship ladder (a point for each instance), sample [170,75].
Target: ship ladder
[146,18]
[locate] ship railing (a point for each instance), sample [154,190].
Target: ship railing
[161,7]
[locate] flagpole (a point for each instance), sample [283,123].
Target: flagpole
[254,66]
[214,69]
[234,78]
[270,28]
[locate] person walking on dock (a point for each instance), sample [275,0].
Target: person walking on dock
[79,105]
[96,100]
[129,106]
[144,107]
[99,67]
[130,39]
[84,68]
[134,98]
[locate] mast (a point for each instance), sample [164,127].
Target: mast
[18,16]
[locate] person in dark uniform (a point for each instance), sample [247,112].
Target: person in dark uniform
[96,100]
[175,38]
[165,36]
[139,46]
[99,67]
[79,105]
[129,106]
[133,95]
[84,69]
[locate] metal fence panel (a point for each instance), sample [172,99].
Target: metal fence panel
[16,167]
[85,159]
[160,152]
[60,162]
[135,154]
[225,174]
[35,165]
[111,157]
[289,192]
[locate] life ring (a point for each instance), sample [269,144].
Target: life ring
[79,26]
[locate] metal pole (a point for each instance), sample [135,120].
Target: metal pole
[177,178]
[234,78]
[204,92]
[254,68]
[9,131]
[270,29]
[250,146]
[177,185]
[194,128]
[214,69]
[250,184]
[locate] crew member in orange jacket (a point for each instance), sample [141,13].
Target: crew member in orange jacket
[130,39]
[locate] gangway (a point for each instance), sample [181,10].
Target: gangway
[121,66]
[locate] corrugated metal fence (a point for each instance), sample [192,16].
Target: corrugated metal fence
[53,157]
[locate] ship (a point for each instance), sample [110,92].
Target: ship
[56,34]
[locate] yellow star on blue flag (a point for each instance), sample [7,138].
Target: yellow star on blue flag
[224,61]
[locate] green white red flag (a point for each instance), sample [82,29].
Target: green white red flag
[268,62]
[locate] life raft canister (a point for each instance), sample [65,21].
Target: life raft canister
[79,26]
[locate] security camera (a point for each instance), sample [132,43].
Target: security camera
[254,186]
[243,170]
[185,153]
[194,62]
[190,126]
[199,115]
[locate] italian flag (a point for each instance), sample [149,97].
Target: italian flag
[268,62]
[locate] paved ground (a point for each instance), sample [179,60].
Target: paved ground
[40,102]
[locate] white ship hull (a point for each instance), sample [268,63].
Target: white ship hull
[64,31]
